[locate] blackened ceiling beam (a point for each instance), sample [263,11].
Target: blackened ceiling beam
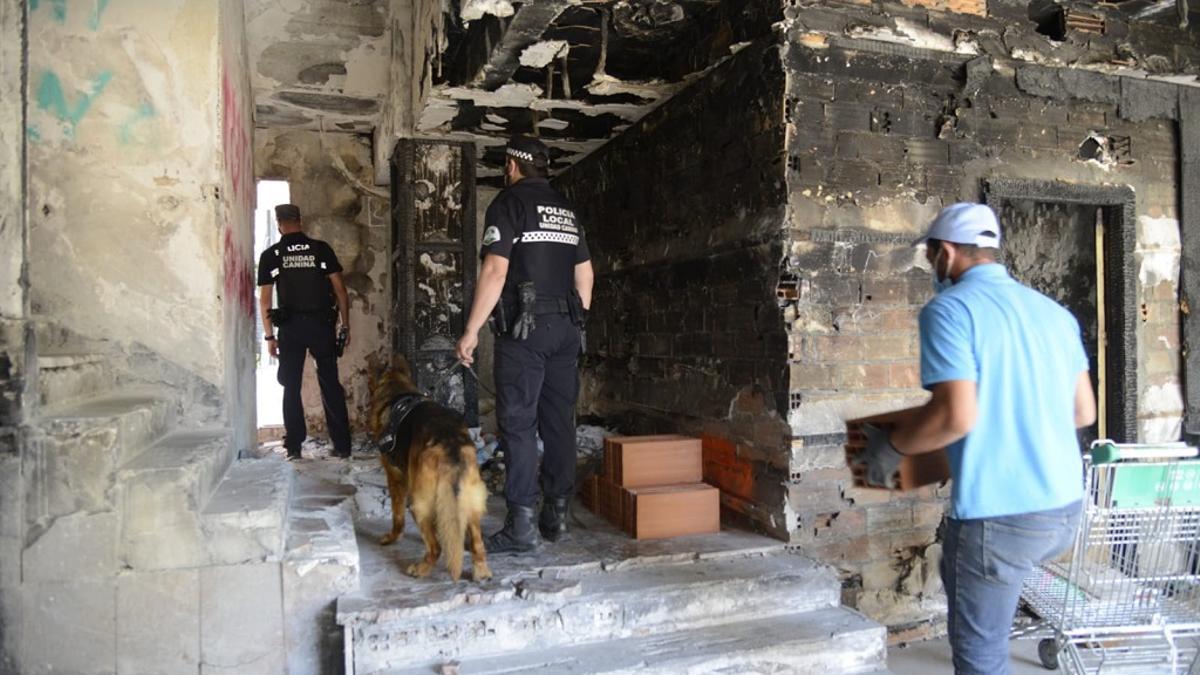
[526,28]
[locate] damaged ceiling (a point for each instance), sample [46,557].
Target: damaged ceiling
[578,72]
[318,63]
[573,73]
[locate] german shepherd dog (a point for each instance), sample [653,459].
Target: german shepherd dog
[429,460]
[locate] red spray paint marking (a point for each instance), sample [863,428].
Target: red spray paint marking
[238,268]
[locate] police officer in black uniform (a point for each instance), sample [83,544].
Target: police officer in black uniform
[536,282]
[312,297]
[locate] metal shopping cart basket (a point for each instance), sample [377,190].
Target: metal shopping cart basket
[1126,598]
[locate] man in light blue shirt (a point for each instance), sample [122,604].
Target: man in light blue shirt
[1010,385]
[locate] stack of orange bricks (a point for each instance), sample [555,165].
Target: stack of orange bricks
[652,487]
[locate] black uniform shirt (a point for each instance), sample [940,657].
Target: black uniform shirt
[300,267]
[534,226]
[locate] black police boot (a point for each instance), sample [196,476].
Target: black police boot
[553,520]
[519,534]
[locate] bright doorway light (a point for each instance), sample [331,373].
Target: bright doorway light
[270,393]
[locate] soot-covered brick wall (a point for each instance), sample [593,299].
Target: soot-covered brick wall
[880,137]
[683,215]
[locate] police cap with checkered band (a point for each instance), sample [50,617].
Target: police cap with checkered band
[528,149]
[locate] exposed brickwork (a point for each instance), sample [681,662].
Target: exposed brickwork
[878,139]
[976,7]
[683,216]
[877,144]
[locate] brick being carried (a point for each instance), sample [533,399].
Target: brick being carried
[915,470]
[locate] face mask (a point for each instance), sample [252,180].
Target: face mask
[940,284]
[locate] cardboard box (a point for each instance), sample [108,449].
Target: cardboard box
[674,460]
[673,511]
[915,471]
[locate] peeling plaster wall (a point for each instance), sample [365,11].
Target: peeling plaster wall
[15,342]
[684,216]
[318,62]
[331,177]
[136,135]
[238,194]
[881,135]
[417,38]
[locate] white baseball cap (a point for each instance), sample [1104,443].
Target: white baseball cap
[965,223]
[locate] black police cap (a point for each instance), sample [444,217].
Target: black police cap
[529,149]
[287,212]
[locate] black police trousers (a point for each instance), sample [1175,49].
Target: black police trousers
[301,335]
[537,384]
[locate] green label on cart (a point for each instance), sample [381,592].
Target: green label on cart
[1149,485]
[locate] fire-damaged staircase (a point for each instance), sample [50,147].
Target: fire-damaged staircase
[720,603]
[152,548]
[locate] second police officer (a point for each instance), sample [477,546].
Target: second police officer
[312,299]
[536,284]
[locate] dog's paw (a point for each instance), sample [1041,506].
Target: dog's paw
[389,538]
[481,572]
[419,570]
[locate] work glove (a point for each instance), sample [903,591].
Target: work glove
[880,459]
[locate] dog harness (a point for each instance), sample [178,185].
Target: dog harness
[401,409]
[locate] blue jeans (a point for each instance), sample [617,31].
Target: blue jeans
[984,562]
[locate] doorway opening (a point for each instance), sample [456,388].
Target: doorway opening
[1075,244]
[266,233]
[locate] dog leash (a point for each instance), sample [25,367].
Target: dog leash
[446,376]
[450,371]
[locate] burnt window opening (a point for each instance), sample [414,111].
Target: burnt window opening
[1106,150]
[1075,244]
[1050,19]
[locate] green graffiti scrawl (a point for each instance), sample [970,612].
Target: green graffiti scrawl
[50,97]
[125,133]
[58,9]
[94,19]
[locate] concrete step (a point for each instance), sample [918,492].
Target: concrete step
[826,641]
[582,604]
[77,449]
[245,519]
[163,491]
[321,563]
[67,378]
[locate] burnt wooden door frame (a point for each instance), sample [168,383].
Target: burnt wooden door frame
[1120,217]
[431,354]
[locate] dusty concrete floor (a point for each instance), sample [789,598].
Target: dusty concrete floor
[590,542]
[933,656]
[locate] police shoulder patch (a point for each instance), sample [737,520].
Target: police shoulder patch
[491,235]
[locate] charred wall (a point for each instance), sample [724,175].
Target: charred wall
[683,216]
[886,124]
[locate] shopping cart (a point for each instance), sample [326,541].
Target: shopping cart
[1126,598]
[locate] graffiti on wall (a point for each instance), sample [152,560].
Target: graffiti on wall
[239,204]
[67,104]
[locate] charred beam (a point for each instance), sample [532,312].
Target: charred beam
[526,28]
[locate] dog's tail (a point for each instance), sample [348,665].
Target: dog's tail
[449,503]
